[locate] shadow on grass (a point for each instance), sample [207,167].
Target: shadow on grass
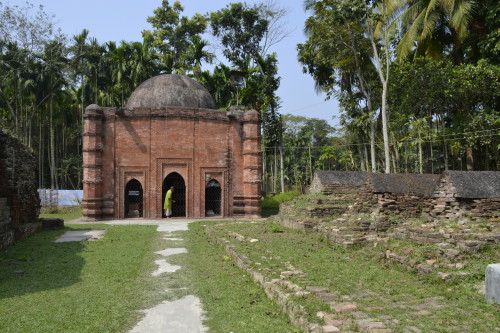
[268,212]
[37,264]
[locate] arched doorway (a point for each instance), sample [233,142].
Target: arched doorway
[179,195]
[133,199]
[212,198]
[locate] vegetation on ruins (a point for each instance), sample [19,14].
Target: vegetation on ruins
[323,276]
[418,82]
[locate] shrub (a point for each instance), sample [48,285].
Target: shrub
[271,201]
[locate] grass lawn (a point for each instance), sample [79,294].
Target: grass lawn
[382,290]
[99,286]
[66,213]
[78,286]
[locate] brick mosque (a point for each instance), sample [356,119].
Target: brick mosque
[170,134]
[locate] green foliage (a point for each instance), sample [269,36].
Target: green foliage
[455,106]
[436,107]
[240,29]
[175,35]
[271,201]
[435,27]
[309,146]
[276,228]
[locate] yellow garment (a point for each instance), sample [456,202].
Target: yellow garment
[168,200]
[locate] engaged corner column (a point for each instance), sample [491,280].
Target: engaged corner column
[92,162]
[252,166]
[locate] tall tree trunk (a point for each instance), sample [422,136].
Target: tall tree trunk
[367,94]
[365,150]
[52,160]
[275,178]
[96,93]
[83,96]
[385,129]
[361,160]
[310,164]
[264,171]
[420,155]
[282,162]
[372,144]
[406,158]
[384,78]
[40,155]
[470,159]
[445,148]
[396,153]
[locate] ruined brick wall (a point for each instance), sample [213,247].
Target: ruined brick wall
[19,201]
[485,208]
[405,204]
[445,202]
[401,194]
[337,182]
[453,195]
[448,203]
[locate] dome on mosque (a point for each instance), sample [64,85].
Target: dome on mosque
[170,90]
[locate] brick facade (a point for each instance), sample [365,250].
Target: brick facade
[198,144]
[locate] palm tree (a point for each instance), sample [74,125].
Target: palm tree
[54,62]
[219,85]
[142,61]
[119,69]
[196,54]
[80,50]
[431,26]
[94,59]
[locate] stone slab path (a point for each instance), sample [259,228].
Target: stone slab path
[81,235]
[184,315]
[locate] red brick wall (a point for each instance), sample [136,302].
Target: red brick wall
[150,144]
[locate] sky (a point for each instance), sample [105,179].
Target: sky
[116,20]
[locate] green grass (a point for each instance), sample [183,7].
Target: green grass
[231,300]
[66,213]
[78,286]
[100,286]
[382,290]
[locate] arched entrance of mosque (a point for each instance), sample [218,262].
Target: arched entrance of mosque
[179,195]
[133,199]
[212,198]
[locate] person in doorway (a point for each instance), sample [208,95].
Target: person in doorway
[167,206]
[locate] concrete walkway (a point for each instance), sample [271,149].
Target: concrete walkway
[184,315]
[172,222]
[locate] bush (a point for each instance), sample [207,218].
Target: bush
[271,201]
